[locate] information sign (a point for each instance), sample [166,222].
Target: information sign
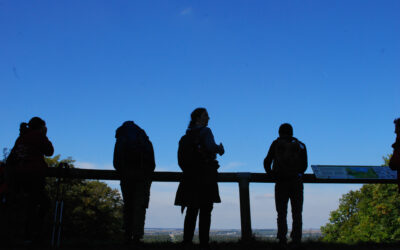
[353,172]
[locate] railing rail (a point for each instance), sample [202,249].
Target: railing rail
[165,176]
[242,178]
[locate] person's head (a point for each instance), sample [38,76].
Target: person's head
[35,123]
[397,126]
[285,130]
[199,117]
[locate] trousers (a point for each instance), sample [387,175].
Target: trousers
[136,196]
[293,191]
[204,223]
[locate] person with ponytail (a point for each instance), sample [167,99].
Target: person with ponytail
[26,167]
[198,190]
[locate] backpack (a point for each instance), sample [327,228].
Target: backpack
[288,158]
[189,151]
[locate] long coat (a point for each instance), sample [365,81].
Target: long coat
[199,184]
[198,189]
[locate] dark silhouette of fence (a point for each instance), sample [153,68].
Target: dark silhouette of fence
[242,178]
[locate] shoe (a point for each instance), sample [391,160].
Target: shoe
[282,244]
[187,245]
[205,247]
[296,245]
[137,243]
[128,239]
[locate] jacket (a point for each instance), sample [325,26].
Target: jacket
[27,155]
[199,185]
[133,152]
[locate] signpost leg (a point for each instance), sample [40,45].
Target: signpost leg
[245,217]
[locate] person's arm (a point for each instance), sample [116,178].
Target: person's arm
[118,156]
[148,153]
[152,163]
[268,159]
[47,147]
[304,158]
[209,142]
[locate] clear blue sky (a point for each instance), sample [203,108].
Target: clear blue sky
[330,68]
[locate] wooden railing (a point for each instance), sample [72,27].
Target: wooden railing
[242,178]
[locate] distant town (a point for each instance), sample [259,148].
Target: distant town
[176,234]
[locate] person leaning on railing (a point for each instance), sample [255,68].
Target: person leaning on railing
[134,161]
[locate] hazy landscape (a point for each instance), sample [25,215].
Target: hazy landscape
[220,235]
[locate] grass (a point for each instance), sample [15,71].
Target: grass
[256,245]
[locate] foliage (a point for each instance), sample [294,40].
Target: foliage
[6,152]
[371,214]
[92,210]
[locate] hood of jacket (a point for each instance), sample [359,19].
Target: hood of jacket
[126,129]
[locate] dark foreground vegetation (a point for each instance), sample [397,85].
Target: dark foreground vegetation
[311,245]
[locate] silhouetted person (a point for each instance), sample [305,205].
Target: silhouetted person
[25,171]
[198,189]
[134,161]
[4,231]
[394,162]
[289,158]
[3,184]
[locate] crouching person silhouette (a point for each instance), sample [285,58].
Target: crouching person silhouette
[134,161]
[289,158]
[198,189]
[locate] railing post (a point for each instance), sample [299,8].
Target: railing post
[245,217]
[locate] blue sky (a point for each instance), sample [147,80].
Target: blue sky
[330,68]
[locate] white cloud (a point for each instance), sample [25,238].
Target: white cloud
[163,168]
[85,165]
[233,165]
[187,11]
[264,196]
[90,165]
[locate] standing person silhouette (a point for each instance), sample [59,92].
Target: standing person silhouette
[394,162]
[289,158]
[198,189]
[26,169]
[134,161]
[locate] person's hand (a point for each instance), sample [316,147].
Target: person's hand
[221,149]
[268,171]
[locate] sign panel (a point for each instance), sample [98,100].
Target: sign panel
[353,172]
